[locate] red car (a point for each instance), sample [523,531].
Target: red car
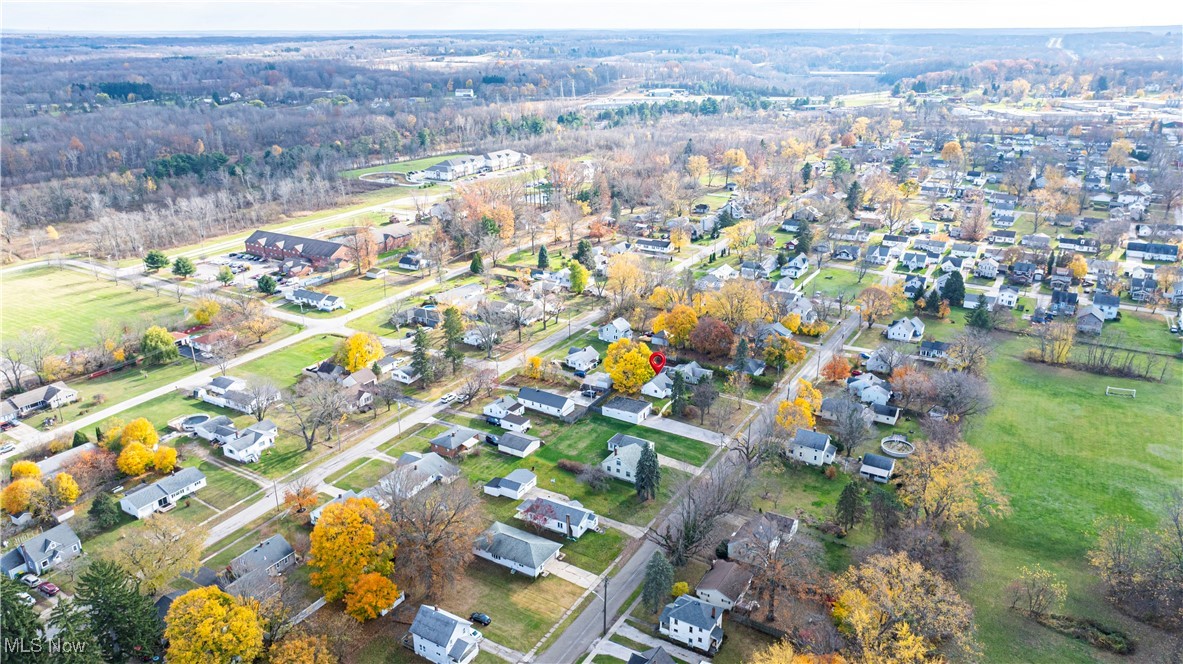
[856,372]
[48,589]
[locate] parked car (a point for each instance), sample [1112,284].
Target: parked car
[481,618]
[581,374]
[865,356]
[49,589]
[118,489]
[1174,330]
[591,394]
[491,439]
[31,580]
[448,398]
[6,448]
[856,372]
[27,599]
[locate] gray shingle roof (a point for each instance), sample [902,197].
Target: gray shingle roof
[877,461]
[627,405]
[559,510]
[308,246]
[263,555]
[519,546]
[454,437]
[691,611]
[517,441]
[811,439]
[543,397]
[652,656]
[151,493]
[437,626]
[727,578]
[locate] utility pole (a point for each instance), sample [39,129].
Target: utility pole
[605,606]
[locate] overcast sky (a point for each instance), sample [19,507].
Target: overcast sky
[204,16]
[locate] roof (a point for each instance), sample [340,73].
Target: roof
[811,439]
[623,440]
[519,546]
[561,510]
[60,537]
[54,464]
[727,578]
[427,465]
[627,405]
[454,438]
[878,461]
[263,555]
[305,246]
[692,611]
[620,324]
[438,626]
[146,495]
[652,656]
[514,481]
[543,397]
[1106,300]
[517,441]
[39,394]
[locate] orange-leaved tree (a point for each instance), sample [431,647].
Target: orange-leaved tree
[348,542]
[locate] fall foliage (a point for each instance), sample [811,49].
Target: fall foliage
[141,431]
[359,351]
[302,649]
[837,369]
[25,468]
[208,625]
[346,544]
[134,460]
[951,487]
[19,494]
[65,489]
[627,362]
[165,459]
[677,323]
[370,595]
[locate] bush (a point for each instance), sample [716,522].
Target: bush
[765,382]
[680,588]
[595,478]
[571,466]
[831,472]
[690,412]
[721,550]
[1090,631]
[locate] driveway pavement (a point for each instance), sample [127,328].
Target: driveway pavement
[568,572]
[684,429]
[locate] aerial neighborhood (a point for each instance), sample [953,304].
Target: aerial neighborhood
[457,349]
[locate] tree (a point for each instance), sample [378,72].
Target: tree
[543,258]
[781,352]
[627,362]
[1037,591]
[420,359]
[712,336]
[954,290]
[851,505]
[122,619]
[65,489]
[72,626]
[21,625]
[370,595]
[837,369]
[24,468]
[264,394]
[874,302]
[267,284]
[165,459]
[678,323]
[679,394]
[781,652]
[969,351]
[578,278]
[434,530]
[850,423]
[156,260]
[659,578]
[892,609]
[793,415]
[703,396]
[688,527]
[302,649]
[854,196]
[680,588]
[141,431]
[359,351]
[134,460]
[347,543]
[183,267]
[162,550]
[1079,266]
[206,310]
[104,511]
[648,474]
[476,266]
[319,404]
[952,154]
[157,346]
[20,494]
[225,275]
[206,624]
[453,335]
[980,317]
[951,487]
[697,167]
[299,498]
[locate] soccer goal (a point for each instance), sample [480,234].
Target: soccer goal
[1121,392]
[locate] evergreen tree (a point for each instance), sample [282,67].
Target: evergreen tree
[1051,262]
[678,393]
[854,196]
[20,623]
[543,258]
[121,618]
[980,318]
[851,506]
[420,360]
[583,254]
[616,209]
[806,172]
[933,302]
[156,260]
[659,578]
[104,511]
[267,284]
[184,267]
[453,331]
[79,438]
[954,290]
[804,238]
[648,474]
[741,352]
[73,627]
[477,265]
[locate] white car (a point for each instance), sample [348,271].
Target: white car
[31,580]
[448,398]
[26,599]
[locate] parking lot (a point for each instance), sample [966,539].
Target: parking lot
[246,268]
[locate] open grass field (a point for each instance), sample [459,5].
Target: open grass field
[223,488]
[1066,454]
[284,365]
[401,166]
[1144,331]
[71,303]
[360,476]
[832,282]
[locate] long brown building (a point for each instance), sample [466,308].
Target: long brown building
[279,246]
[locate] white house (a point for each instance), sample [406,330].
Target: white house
[54,395]
[248,445]
[691,622]
[877,467]
[905,329]
[660,386]
[228,392]
[627,410]
[724,584]
[518,444]
[986,268]
[655,246]
[321,301]
[812,448]
[1107,305]
[1008,296]
[884,360]
[515,485]
[414,472]
[1152,251]
[520,551]
[565,518]
[797,266]
[162,496]
[444,638]
[479,335]
[615,330]
[626,453]
[582,359]
[881,414]
[405,375]
[869,388]
[545,402]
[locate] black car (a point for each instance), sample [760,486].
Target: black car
[481,618]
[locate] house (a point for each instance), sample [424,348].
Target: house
[1142,289]
[905,329]
[414,472]
[252,574]
[565,518]
[934,350]
[464,166]
[248,445]
[1090,320]
[965,250]
[413,260]
[811,447]
[914,260]
[628,410]
[545,402]
[314,516]
[760,536]
[1107,305]
[495,410]
[1060,279]
[797,266]
[54,395]
[890,240]
[321,254]
[651,656]
[877,467]
[767,331]
[758,269]
[879,255]
[443,638]
[660,386]
[466,297]
[691,622]
[1064,302]
[846,252]
[405,375]
[882,414]
[515,485]
[430,317]
[480,336]
[625,455]
[986,268]
[1037,241]
[869,388]
[1001,237]
[600,382]
[582,359]
[724,272]
[162,495]
[518,444]
[1023,273]
[1082,245]
[615,330]
[55,464]
[975,300]
[953,264]
[749,366]
[724,584]
[1152,251]
[520,551]
[41,553]
[884,360]
[455,441]
[655,246]
[1008,296]
[320,301]
[936,247]
[220,429]
[914,286]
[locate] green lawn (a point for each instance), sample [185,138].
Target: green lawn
[284,366]
[360,476]
[833,282]
[594,551]
[71,303]
[1142,331]
[223,487]
[1066,454]
[401,166]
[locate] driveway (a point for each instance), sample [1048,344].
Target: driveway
[683,429]
[568,572]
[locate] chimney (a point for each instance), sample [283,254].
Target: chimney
[712,612]
[570,531]
[616,451]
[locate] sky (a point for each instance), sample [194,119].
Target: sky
[259,16]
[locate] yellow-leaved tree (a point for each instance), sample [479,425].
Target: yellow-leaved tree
[370,595]
[812,396]
[793,415]
[346,544]
[533,368]
[208,625]
[302,649]
[165,459]
[65,489]
[359,351]
[677,323]
[206,311]
[1079,266]
[141,431]
[134,460]
[627,362]
[22,469]
[19,494]
[952,487]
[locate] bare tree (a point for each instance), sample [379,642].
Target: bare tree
[759,442]
[32,348]
[265,394]
[223,349]
[969,351]
[388,392]
[434,529]
[961,394]
[319,404]
[779,562]
[850,423]
[688,528]
[475,384]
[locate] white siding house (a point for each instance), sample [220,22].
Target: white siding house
[812,448]
[163,495]
[545,402]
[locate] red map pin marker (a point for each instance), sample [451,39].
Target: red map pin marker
[657,361]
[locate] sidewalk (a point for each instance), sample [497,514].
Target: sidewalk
[628,631]
[678,465]
[568,572]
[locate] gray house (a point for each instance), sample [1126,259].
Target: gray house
[42,553]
